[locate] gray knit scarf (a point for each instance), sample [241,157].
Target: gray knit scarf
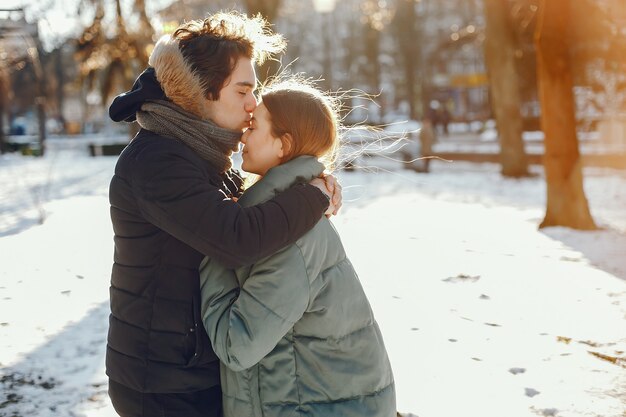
[211,142]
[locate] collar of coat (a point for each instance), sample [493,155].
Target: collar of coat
[299,170]
[177,79]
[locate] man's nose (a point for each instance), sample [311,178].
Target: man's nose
[250,104]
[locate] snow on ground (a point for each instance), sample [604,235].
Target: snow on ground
[482,314]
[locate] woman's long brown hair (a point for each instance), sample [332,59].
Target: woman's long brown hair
[307,116]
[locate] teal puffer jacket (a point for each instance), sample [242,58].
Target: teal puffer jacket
[295,332]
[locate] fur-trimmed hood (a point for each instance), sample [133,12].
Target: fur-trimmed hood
[168,77]
[178,80]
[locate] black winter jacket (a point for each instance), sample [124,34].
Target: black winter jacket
[169,209]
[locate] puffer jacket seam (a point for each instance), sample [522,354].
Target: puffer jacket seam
[124,354]
[149,330]
[335,265]
[296,374]
[170,218]
[158,268]
[121,209]
[339,400]
[306,270]
[309,290]
[134,326]
[233,397]
[148,359]
[266,308]
[336,339]
[129,266]
[120,289]
[293,334]
[132,182]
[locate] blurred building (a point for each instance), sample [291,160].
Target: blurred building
[16,35]
[353,46]
[455,72]
[20,72]
[448,38]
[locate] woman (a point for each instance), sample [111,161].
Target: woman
[294,331]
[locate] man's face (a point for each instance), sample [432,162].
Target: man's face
[234,108]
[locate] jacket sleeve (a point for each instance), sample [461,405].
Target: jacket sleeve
[174,195]
[245,324]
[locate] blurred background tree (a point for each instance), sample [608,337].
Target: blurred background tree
[110,60]
[269,10]
[501,48]
[21,57]
[575,43]
[417,58]
[5,96]
[406,27]
[566,202]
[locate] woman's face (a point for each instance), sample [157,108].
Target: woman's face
[261,150]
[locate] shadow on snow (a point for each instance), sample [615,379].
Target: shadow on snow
[62,374]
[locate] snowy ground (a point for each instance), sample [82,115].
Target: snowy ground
[482,314]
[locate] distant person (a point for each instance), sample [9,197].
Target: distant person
[172,204]
[445,119]
[427,139]
[433,114]
[18,127]
[294,331]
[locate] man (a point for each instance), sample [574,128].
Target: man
[170,207]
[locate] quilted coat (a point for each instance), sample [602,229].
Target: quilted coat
[294,331]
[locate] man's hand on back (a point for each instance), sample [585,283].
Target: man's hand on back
[332,189]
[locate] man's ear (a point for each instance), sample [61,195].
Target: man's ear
[287,145]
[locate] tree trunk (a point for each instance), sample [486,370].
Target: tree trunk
[2,137]
[504,82]
[60,76]
[40,105]
[372,70]
[566,202]
[40,100]
[409,43]
[269,10]
[5,86]
[328,59]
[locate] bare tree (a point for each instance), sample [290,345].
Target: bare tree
[371,41]
[409,45]
[599,53]
[112,62]
[375,19]
[23,49]
[269,10]
[5,90]
[524,19]
[566,201]
[504,81]
[35,53]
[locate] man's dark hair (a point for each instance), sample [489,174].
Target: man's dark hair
[212,46]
